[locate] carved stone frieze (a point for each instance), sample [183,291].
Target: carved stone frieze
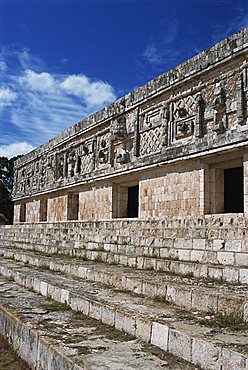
[219,106]
[184,116]
[181,111]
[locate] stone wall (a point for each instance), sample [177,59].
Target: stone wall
[174,191]
[17,213]
[57,209]
[183,122]
[33,211]
[95,203]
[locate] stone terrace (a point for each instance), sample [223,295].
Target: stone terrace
[178,284]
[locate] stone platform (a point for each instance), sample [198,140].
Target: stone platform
[178,284]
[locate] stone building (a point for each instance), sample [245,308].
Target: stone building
[177,146]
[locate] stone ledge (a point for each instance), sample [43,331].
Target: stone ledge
[219,347]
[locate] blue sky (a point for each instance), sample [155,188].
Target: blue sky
[61,60]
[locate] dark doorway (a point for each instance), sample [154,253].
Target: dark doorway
[72,206]
[23,212]
[233,190]
[43,210]
[133,201]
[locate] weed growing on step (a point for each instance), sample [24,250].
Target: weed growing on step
[98,259]
[44,267]
[55,306]
[9,278]
[113,263]
[161,299]
[83,258]
[31,290]
[229,321]
[219,281]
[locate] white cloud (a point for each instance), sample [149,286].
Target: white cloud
[15,149]
[37,104]
[93,93]
[37,81]
[6,97]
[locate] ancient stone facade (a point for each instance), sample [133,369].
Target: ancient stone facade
[178,146]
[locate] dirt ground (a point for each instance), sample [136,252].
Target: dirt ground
[8,358]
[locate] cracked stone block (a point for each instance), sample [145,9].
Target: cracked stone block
[125,322]
[143,329]
[108,315]
[180,344]
[95,310]
[206,355]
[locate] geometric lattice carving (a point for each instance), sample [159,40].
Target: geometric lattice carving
[86,163]
[185,106]
[151,141]
[184,113]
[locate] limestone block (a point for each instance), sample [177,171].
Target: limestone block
[95,310]
[55,293]
[204,302]
[65,296]
[180,344]
[241,259]
[143,329]
[43,288]
[28,342]
[218,244]
[108,315]
[149,289]
[160,335]
[36,285]
[149,263]
[179,296]
[134,285]
[233,245]
[243,276]
[131,261]
[197,255]
[184,254]
[206,355]
[140,262]
[79,304]
[232,360]
[125,321]
[231,274]
[82,272]
[199,244]
[229,306]
[215,272]
[225,258]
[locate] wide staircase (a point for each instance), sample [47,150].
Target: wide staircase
[127,294]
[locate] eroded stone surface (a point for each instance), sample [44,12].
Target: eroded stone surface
[83,341]
[184,329]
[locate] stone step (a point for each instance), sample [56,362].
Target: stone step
[224,251]
[48,335]
[139,233]
[181,333]
[229,273]
[200,241]
[189,293]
